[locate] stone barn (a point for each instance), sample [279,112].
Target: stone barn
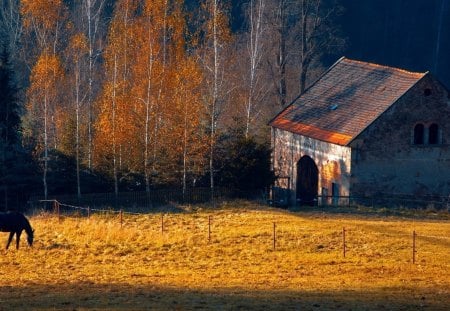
[363,129]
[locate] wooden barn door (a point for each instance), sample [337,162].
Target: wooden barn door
[307,181]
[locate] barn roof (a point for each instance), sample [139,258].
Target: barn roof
[345,100]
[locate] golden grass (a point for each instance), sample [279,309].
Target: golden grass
[95,263]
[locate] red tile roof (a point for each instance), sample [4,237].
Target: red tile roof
[345,100]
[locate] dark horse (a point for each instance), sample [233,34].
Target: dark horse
[15,223]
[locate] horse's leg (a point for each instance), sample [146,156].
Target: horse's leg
[18,233]
[11,234]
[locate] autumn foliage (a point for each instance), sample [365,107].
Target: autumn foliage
[144,90]
[150,110]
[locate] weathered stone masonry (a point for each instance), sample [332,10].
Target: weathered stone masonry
[387,160]
[333,161]
[370,130]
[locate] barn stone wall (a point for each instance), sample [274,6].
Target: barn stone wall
[385,158]
[333,162]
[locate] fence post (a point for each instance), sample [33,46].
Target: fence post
[344,246]
[162,223]
[274,236]
[121,218]
[209,228]
[88,212]
[58,212]
[414,248]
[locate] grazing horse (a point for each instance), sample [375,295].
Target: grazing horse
[15,223]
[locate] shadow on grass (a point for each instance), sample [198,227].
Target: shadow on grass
[88,296]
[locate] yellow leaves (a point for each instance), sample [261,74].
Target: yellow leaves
[44,12]
[217,22]
[78,45]
[46,71]
[150,103]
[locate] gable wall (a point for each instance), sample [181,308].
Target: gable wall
[333,161]
[385,160]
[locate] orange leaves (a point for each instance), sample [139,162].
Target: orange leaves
[45,73]
[151,101]
[216,20]
[78,45]
[45,12]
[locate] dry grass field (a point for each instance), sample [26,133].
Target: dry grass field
[95,264]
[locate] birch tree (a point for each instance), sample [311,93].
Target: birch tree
[189,142]
[41,98]
[78,48]
[217,35]
[43,21]
[148,74]
[187,139]
[92,12]
[115,126]
[256,87]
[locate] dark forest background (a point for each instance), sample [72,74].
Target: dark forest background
[230,147]
[410,34]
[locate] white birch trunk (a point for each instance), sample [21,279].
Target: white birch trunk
[113,112]
[93,9]
[254,56]
[77,129]
[45,147]
[214,97]
[158,119]
[148,109]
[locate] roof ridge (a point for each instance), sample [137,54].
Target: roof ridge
[387,67]
[353,81]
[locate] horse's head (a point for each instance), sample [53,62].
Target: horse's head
[30,238]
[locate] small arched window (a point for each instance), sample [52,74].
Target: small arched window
[418,134]
[433,134]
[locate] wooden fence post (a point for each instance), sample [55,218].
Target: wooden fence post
[121,218]
[58,210]
[414,248]
[344,246]
[162,223]
[274,236]
[88,212]
[209,228]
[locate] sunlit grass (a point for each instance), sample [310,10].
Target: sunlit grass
[98,263]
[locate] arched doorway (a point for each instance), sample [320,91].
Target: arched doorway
[307,181]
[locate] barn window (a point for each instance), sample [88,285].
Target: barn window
[427,92]
[433,134]
[418,134]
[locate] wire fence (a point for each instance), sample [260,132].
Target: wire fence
[275,236]
[152,200]
[158,198]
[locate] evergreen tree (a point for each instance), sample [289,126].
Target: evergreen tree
[244,164]
[16,168]
[9,106]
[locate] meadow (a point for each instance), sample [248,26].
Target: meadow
[199,258]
